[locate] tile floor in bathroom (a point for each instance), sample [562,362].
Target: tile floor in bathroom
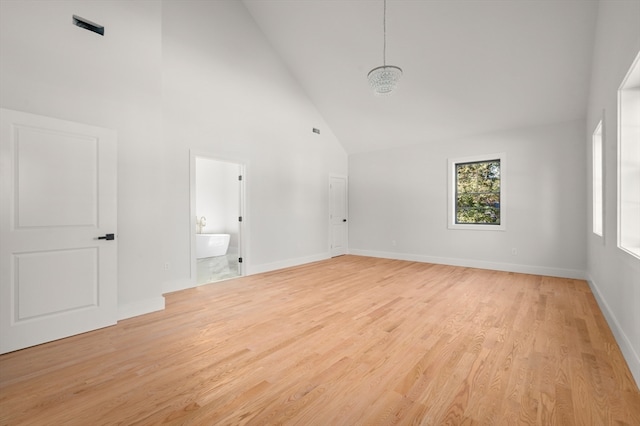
[212,269]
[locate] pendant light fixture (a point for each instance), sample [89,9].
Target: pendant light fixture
[383,80]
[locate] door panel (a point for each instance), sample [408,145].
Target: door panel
[58,196]
[76,273]
[48,181]
[338,215]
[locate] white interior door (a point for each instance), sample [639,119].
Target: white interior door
[58,196]
[241,217]
[338,215]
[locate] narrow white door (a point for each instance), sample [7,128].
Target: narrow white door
[58,198]
[241,217]
[338,215]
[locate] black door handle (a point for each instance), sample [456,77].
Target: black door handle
[344,220]
[108,237]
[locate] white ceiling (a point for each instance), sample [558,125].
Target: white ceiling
[470,66]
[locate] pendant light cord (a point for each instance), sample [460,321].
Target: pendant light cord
[383,79]
[384,31]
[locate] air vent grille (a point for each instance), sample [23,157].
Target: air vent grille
[88,25]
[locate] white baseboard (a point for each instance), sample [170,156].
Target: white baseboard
[268,267]
[630,355]
[480,264]
[177,285]
[129,310]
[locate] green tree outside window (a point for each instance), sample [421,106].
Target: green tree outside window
[478,193]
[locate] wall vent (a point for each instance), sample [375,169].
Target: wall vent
[88,25]
[316,130]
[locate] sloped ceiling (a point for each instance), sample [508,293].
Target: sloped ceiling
[470,67]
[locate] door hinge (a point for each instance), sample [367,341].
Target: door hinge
[239,260]
[239,218]
[240,177]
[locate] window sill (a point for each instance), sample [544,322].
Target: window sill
[459,226]
[633,251]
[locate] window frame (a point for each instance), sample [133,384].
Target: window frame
[451,214]
[628,202]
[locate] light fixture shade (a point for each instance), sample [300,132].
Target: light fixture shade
[384,79]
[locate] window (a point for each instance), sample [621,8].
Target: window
[476,192]
[597,180]
[629,161]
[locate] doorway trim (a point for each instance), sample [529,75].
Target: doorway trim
[242,211]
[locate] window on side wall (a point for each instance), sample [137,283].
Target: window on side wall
[597,180]
[629,161]
[477,192]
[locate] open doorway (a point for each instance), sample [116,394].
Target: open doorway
[216,206]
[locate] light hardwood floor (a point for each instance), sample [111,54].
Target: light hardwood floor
[351,340]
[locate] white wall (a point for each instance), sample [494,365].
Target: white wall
[169,77]
[401,195]
[218,198]
[614,275]
[52,68]
[226,93]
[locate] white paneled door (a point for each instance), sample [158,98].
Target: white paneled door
[338,215]
[58,252]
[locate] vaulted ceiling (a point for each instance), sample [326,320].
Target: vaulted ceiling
[470,66]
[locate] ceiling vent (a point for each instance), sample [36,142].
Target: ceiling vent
[88,25]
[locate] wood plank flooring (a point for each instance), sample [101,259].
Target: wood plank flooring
[347,341]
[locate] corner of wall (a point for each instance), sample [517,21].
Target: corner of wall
[141,307]
[289,263]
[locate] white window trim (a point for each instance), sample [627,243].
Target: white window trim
[452,193]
